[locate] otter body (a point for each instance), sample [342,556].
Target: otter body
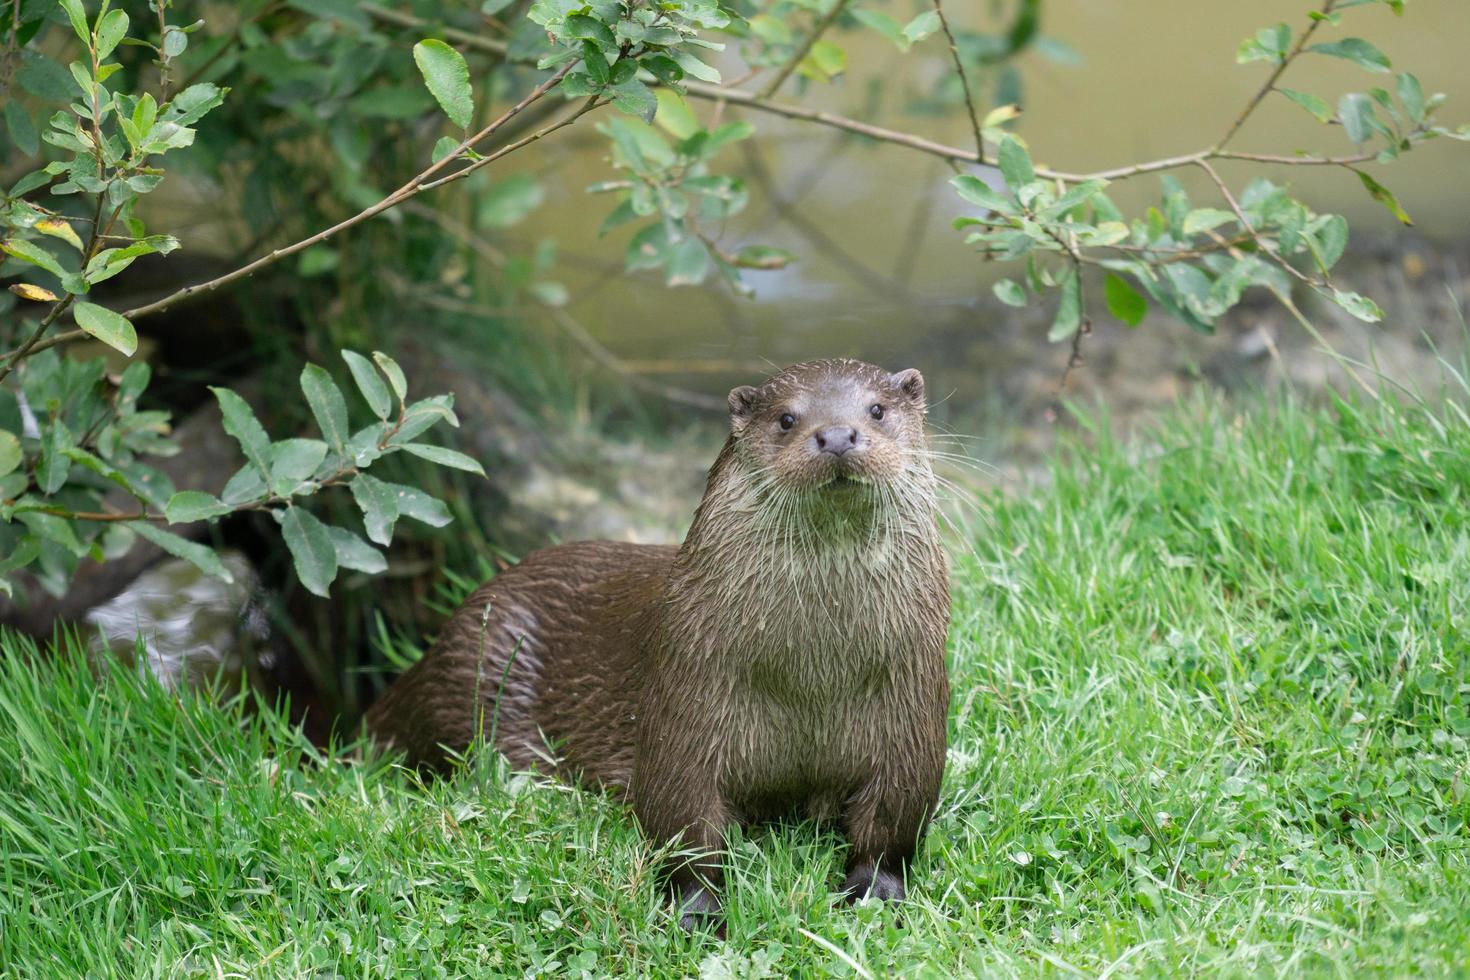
[786,659]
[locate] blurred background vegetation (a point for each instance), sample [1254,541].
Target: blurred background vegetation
[591,389]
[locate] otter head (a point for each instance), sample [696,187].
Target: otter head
[832,427]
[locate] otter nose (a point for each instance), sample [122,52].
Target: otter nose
[836,439]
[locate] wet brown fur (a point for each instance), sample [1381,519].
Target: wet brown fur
[788,658]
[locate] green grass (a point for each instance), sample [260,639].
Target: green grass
[1210,714]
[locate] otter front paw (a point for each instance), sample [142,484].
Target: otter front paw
[699,909]
[867,880]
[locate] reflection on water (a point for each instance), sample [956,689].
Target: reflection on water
[882,273]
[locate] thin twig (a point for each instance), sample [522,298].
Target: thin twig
[821,28]
[959,67]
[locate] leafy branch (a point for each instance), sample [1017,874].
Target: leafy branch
[1186,259]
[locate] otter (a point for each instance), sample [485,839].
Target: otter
[786,659]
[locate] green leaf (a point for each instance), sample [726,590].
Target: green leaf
[1079,194]
[675,115]
[111,29]
[921,26]
[197,555]
[22,130]
[328,406]
[379,504]
[824,61]
[1124,302]
[175,42]
[595,64]
[78,17]
[443,146]
[448,79]
[1358,305]
[103,469]
[311,548]
[34,254]
[663,68]
[190,105]
[636,99]
[977,191]
[241,423]
[1009,292]
[1015,164]
[1384,196]
[369,383]
[355,553]
[1311,103]
[1411,94]
[582,27]
[10,454]
[393,373]
[688,263]
[1356,50]
[111,328]
[245,486]
[444,457]
[1332,238]
[1204,219]
[622,70]
[53,528]
[423,415]
[420,506]
[1355,112]
[187,506]
[1069,310]
[25,552]
[54,465]
[694,67]
[293,461]
[1268,44]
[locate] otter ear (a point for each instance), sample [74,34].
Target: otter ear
[910,384]
[742,407]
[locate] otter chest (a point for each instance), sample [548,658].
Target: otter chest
[816,680]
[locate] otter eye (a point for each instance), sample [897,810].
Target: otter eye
[876,411]
[787,421]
